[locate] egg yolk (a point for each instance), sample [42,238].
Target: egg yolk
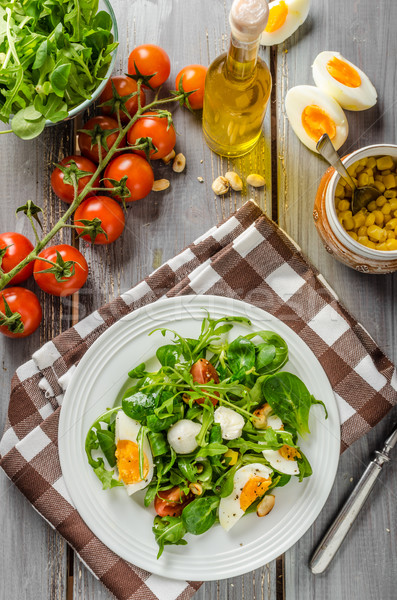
[127,455]
[253,489]
[344,73]
[316,122]
[289,453]
[277,16]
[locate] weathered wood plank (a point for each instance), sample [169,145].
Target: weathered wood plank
[364,567]
[162,224]
[32,555]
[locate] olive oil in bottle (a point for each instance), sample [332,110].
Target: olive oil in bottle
[238,84]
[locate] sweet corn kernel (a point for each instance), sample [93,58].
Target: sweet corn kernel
[385,162]
[363,239]
[379,217]
[370,220]
[387,219]
[372,205]
[369,172]
[339,192]
[389,181]
[362,231]
[348,223]
[380,201]
[393,203]
[346,213]
[390,194]
[352,170]
[391,235]
[371,180]
[359,219]
[386,209]
[387,172]
[362,179]
[355,181]
[372,245]
[344,205]
[379,186]
[359,169]
[371,162]
[363,162]
[353,235]
[376,234]
[382,246]
[392,224]
[378,178]
[391,244]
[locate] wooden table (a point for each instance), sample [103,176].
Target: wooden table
[35,561]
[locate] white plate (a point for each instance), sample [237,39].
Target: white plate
[121,522]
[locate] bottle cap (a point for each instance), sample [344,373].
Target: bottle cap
[248,19]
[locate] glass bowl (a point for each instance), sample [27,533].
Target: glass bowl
[102,5]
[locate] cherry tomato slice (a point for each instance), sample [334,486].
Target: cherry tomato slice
[204,372]
[18,248]
[170,503]
[27,304]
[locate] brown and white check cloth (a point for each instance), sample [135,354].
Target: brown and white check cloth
[249,258]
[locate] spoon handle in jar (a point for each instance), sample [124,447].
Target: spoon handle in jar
[325,148]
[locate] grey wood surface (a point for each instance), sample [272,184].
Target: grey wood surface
[34,561]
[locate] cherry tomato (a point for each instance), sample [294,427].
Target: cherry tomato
[124,87]
[108,211]
[139,172]
[65,191]
[99,126]
[171,503]
[193,79]
[27,304]
[18,248]
[150,60]
[48,281]
[204,372]
[157,128]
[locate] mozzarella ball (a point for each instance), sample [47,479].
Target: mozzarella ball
[249,484]
[312,113]
[274,422]
[285,17]
[342,80]
[127,454]
[231,422]
[182,436]
[283,460]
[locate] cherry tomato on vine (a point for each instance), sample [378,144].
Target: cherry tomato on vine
[65,191]
[170,503]
[203,372]
[108,211]
[193,79]
[139,174]
[150,60]
[14,247]
[27,304]
[163,135]
[124,86]
[60,284]
[99,127]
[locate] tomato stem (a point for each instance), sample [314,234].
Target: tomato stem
[5,278]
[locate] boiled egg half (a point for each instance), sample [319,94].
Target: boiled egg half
[312,113]
[283,460]
[285,16]
[127,454]
[341,79]
[249,483]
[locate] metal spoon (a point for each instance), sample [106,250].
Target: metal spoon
[362,196]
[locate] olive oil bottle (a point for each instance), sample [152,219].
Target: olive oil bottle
[238,84]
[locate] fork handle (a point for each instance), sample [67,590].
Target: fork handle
[326,149]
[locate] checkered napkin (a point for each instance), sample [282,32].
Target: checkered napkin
[248,258]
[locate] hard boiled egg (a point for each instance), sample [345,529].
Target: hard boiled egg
[312,113]
[341,79]
[283,460]
[127,454]
[249,483]
[274,422]
[285,16]
[182,436]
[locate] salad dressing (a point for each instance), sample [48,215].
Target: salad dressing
[238,84]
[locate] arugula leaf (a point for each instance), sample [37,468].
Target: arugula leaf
[168,530]
[107,445]
[241,357]
[139,405]
[290,400]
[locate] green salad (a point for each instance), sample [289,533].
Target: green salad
[53,56]
[210,434]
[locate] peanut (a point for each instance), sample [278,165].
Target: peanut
[167,159]
[179,163]
[265,505]
[160,185]
[256,180]
[220,186]
[234,181]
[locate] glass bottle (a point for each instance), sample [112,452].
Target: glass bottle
[238,84]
